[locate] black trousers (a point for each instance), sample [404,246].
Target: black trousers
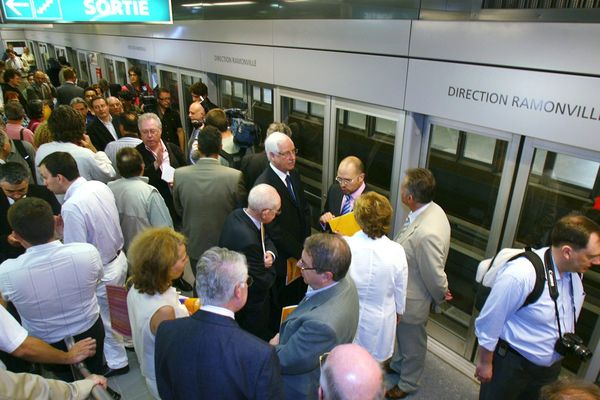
[95,363]
[516,378]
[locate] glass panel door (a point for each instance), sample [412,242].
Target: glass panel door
[84,70]
[170,81]
[44,55]
[369,133]
[60,52]
[553,181]
[307,115]
[473,168]
[187,79]
[109,65]
[120,72]
[261,110]
[232,93]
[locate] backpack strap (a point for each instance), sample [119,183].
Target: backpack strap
[21,133]
[540,275]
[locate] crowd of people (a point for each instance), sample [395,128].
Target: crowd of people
[102,187]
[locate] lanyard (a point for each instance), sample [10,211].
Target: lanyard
[553,288]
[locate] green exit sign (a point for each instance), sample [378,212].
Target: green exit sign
[149,11]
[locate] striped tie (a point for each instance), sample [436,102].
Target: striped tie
[347,205]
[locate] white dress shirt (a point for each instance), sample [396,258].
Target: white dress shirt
[531,330]
[12,335]
[90,215]
[92,166]
[53,286]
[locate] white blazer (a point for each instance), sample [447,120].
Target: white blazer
[380,272]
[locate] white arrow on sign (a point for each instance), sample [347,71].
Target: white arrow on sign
[13,6]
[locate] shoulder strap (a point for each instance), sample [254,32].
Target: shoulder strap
[540,275]
[28,159]
[21,133]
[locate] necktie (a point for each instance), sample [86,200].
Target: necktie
[290,188]
[347,207]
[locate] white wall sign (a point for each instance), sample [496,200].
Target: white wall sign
[557,107]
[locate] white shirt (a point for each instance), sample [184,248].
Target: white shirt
[53,286]
[113,147]
[12,335]
[111,128]
[531,330]
[92,166]
[90,215]
[380,271]
[218,310]
[282,175]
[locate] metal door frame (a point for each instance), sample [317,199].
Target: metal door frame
[326,102]
[500,207]
[588,371]
[393,114]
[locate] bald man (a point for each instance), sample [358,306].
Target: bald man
[350,183]
[350,373]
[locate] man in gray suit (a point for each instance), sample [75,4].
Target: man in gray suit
[205,193]
[426,241]
[325,318]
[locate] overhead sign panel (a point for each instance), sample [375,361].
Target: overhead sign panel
[149,11]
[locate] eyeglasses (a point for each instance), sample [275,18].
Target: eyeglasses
[288,153]
[149,132]
[322,359]
[249,281]
[344,181]
[303,266]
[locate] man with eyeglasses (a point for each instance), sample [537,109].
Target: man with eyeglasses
[350,183]
[292,226]
[171,121]
[207,356]
[244,231]
[325,318]
[160,158]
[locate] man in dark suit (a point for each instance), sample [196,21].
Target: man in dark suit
[325,318]
[342,195]
[292,226]
[68,90]
[244,232]
[14,181]
[205,193]
[104,128]
[159,156]
[208,356]
[254,164]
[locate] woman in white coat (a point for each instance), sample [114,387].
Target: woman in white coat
[380,272]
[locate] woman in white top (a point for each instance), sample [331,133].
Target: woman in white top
[157,256]
[380,272]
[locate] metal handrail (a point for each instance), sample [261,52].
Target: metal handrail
[98,392]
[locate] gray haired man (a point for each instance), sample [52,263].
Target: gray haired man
[221,360]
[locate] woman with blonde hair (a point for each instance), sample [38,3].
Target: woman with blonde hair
[157,256]
[379,270]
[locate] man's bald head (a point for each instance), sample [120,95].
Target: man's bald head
[351,373]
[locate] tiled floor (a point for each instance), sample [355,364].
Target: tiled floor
[440,381]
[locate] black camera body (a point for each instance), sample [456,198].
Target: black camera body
[570,343]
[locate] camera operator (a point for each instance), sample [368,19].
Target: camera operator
[521,347]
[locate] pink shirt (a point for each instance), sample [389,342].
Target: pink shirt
[13,131]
